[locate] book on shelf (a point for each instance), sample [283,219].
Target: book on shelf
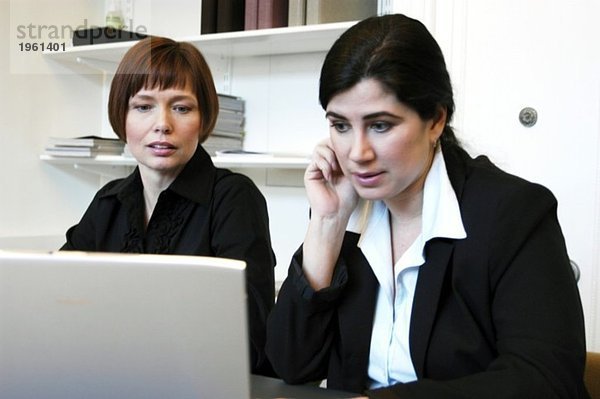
[264,14]
[230,15]
[208,18]
[85,141]
[230,102]
[326,11]
[231,127]
[251,15]
[224,141]
[83,146]
[297,13]
[231,116]
[215,143]
[229,131]
[272,13]
[223,133]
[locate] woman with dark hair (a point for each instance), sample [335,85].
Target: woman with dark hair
[424,273]
[163,104]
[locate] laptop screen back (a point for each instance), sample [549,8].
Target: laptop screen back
[82,325]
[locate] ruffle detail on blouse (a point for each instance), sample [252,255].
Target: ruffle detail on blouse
[167,222]
[164,228]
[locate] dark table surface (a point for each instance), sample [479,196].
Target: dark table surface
[272,388]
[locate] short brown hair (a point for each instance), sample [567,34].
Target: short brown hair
[159,62]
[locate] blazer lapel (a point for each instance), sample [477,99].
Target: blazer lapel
[430,282]
[438,253]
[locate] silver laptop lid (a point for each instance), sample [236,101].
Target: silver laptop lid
[83,325]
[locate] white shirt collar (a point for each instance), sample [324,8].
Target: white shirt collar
[441,212]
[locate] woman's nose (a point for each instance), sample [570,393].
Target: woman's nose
[163,122]
[361,150]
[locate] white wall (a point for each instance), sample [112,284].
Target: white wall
[283,115]
[40,99]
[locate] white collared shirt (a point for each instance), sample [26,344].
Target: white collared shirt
[389,360]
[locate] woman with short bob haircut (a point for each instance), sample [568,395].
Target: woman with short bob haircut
[163,104]
[424,272]
[163,63]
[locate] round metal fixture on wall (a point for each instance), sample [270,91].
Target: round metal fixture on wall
[528,116]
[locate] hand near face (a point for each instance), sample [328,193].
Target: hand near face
[329,192]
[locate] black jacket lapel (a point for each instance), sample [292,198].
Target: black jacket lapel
[438,253]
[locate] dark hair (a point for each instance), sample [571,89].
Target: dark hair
[400,53]
[163,63]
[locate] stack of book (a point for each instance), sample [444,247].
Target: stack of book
[264,14]
[85,146]
[310,12]
[222,16]
[228,133]
[237,15]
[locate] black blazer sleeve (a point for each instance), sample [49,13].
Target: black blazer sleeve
[240,230]
[312,335]
[290,336]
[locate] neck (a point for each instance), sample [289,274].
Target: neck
[405,223]
[154,184]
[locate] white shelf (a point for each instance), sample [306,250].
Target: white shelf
[104,160]
[256,161]
[115,165]
[288,40]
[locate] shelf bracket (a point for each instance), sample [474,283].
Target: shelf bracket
[227,73]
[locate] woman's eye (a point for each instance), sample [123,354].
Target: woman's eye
[380,127]
[142,107]
[182,109]
[340,127]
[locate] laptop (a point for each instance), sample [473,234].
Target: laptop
[93,325]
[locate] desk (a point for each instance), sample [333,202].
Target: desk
[272,388]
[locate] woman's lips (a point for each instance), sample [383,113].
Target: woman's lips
[161,148]
[368,179]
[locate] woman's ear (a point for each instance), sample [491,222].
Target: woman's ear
[438,123]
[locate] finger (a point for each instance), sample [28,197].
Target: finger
[313,172]
[324,167]
[325,154]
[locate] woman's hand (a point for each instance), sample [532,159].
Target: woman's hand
[330,193]
[332,200]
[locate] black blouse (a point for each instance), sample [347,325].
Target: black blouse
[206,211]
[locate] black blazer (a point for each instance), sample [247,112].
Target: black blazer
[495,315]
